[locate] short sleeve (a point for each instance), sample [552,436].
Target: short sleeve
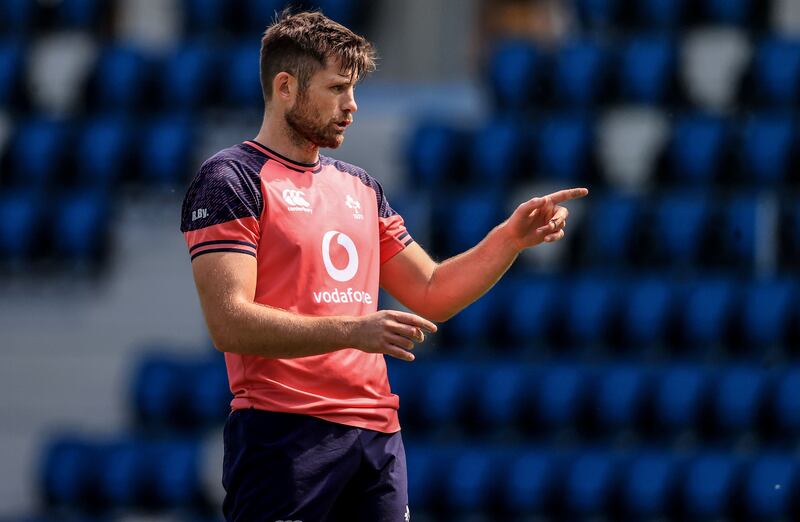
[221,210]
[392,229]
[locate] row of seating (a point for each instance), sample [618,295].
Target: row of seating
[71,230]
[641,484]
[200,16]
[100,153]
[642,68]
[611,14]
[700,150]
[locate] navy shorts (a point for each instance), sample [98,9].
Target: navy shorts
[288,467]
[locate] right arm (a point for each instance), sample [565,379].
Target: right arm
[226,284]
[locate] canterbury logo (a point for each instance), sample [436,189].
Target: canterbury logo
[296,200]
[346,273]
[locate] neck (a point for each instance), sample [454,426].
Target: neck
[281,138]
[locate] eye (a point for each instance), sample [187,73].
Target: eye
[339,88]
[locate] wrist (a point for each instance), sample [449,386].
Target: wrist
[507,240]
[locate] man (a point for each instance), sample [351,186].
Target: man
[288,249]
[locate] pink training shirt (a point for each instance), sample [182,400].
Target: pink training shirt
[319,233]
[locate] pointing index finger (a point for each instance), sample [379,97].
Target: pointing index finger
[568,194]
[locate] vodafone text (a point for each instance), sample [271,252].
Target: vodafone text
[342,296]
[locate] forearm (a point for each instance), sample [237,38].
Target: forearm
[249,328]
[462,279]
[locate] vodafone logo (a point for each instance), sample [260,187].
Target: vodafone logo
[346,273]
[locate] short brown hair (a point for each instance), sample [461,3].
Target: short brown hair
[301,43]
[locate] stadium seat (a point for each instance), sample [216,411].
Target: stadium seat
[166,151]
[740,399]
[103,152]
[472,481]
[174,474]
[610,241]
[433,154]
[68,472]
[771,487]
[531,310]
[17,16]
[709,487]
[619,397]
[497,153]
[560,397]
[776,72]
[590,483]
[681,398]
[516,74]
[740,216]
[699,145]
[210,394]
[681,226]
[161,388]
[647,69]
[242,85]
[786,404]
[466,220]
[122,480]
[121,80]
[21,219]
[591,305]
[531,482]
[563,148]
[346,12]
[714,60]
[580,74]
[444,396]
[650,485]
[187,77]
[768,312]
[599,13]
[80,14]
[648,311]
[768,148]
[12,63]
[205,16]
[81,228]
[708,312]
[500,397]
[660,14]
[790,235]
[474,326]
[258,14]
[425,475]
[37,145]
[730,12]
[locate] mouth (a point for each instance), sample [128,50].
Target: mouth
[342,125]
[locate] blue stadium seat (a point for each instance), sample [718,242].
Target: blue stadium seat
[121,79]
[767,149]
[67,472]
[37,145]
[786,405]
[580,73]
[699,144]
[187,77]
[123,482]
[682,393]
[531,481]
[648,310]
[174,473]
[17,16]
[769,310]
[681,226]
[211,396]
[346,12]
[650,484]
[258,14]
[660,14]
[516,73]
[12,63]
[80,14]
[81,227]
[590,483]
[790,235]
[740,215]
[161,388]
[433,152]
[560,397]
[467,219]
[709,487]
[242,85]
[563,148]
[425,475]
[619,397]
[472,481]
[21,219]
[729,12]
[708,312]
[771,487]
[776,72]
[610,241]
[498,152]
[473,327]
[165,157]
[531,309]
[647,69]
[205,16]
[501,395]
[444,393]
[740,397]
[599,13]
[103,152]
[590,308]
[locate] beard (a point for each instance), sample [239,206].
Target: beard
[303,121]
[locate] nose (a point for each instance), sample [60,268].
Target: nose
[350,105]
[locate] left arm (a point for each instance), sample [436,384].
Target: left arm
[438,291]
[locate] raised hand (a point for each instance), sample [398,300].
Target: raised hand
[541,219]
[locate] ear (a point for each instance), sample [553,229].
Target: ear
[284,86]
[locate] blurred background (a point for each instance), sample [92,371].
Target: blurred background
[647,367]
